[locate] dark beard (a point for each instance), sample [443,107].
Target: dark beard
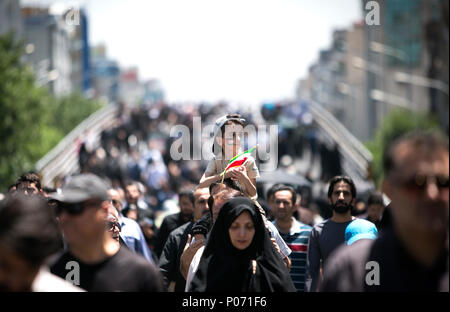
[188,216]
[341,207]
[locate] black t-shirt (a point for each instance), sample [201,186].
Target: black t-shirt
[382,265]
[169,262]
[170,223]
[124,271]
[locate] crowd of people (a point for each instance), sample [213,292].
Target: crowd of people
[134,219]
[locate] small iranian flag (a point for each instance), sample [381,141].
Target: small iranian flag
[238,160]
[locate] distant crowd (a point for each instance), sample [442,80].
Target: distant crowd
[134,219]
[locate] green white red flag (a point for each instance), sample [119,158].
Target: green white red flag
[239,160]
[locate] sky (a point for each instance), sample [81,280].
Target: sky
[243,51]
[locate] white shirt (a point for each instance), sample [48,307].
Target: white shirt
[284,249]
[47,282]
[193,267]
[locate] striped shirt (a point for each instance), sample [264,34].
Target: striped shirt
[297,240]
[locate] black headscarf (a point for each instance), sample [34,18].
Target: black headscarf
[223,267]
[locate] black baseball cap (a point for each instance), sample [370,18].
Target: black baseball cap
[81,188]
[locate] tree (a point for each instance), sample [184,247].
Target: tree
[399,121]
[71,110]
[21,106]
[32,120]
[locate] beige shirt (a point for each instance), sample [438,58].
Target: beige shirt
[217,166]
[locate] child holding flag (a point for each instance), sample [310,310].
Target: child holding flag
[229,160]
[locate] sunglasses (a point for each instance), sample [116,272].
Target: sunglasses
[419,182]
[113,224]
[73,209]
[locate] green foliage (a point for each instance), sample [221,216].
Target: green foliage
[71,110]
[32,121]
[397,123]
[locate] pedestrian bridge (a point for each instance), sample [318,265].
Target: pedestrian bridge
[62,160]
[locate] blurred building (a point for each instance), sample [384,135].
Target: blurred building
[328,75]
[153,91]
[356,118]
[319,80]
[400,58]
[337,84]
[105,75]
[131,90]
[48,48]
[80,55]
[437,41]
[10,17]
[370,69]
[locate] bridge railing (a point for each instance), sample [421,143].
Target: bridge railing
[356,158]
[63,158]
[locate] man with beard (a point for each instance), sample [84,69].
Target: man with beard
[330,234]
[412,254]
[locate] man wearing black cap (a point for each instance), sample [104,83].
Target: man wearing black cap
[93,260]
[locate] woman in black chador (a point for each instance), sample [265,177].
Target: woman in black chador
[239,255]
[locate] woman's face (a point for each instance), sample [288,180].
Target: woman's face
[242,231]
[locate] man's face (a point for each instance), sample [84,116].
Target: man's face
[88,225]
[186,206]
[147,231]
[115,198]
[419,193]
[271,202]
[341,198]
[201,203]
[220,199]
[283,206]
[132,194]
[113,227]
[375,211]
[28,188]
